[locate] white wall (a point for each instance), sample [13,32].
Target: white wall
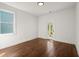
[64,25]
[26,28]
[77,27]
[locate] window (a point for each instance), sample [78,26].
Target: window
[6,22]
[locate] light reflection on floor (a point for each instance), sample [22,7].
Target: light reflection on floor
[50,48]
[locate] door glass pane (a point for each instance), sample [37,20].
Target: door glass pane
[6,28]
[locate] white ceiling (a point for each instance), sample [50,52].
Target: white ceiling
[33,8]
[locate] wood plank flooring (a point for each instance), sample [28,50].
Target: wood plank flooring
[40,47]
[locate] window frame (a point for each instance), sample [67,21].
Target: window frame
[9,11]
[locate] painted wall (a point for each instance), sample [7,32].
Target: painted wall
[77,27]
[64,25]
[26,28]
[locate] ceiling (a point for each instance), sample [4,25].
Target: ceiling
[33,8]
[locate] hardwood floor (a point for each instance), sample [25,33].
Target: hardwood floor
[40,47]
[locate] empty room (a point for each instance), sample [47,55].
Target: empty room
[39,29]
